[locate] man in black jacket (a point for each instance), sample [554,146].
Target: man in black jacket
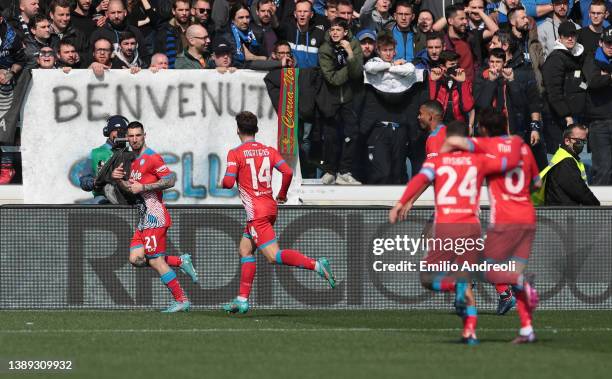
[565,182]
[263,24]
[563,79]
[61,27]
[508,85]
[598,72]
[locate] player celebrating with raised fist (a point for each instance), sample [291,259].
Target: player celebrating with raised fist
[149,176]
[251,164]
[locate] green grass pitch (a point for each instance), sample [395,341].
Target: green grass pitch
[305,344]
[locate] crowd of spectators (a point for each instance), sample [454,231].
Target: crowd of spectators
[370,64]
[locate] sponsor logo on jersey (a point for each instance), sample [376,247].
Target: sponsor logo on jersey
[136,175]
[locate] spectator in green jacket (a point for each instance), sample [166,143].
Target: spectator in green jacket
[196,55]
[341,61]
[99,156]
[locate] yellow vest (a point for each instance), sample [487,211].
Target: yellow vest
[538,196]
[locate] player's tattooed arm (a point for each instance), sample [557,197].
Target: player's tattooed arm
[162,184]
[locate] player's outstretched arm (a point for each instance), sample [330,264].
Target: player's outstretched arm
[415,187]
[452,143]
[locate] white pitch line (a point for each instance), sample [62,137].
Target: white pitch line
[287,330]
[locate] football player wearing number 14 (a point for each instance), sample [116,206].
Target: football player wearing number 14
[512,221]
[149,176]
[251,164]
[457,177]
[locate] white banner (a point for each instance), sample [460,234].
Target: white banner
[189,118]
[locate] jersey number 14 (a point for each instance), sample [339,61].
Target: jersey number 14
[264,177]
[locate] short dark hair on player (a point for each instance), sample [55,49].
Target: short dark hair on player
[434,107]
[452,10]
[494,121]
[247,123]
[135,125]
[457,128]
[498,53]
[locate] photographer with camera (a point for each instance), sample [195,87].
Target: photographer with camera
[115,125]
[449,85]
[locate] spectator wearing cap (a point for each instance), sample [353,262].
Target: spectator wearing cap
[375,15]
[598,72]
[39,37]
[303,36]
[264,24]
[548,30]
[563,79]
[367,40]
[402,30]
[223,53]
[99,156]
[127,56]
[197,54]
[429,57]
[590,35]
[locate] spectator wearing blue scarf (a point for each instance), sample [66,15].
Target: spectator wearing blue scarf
[246,47]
